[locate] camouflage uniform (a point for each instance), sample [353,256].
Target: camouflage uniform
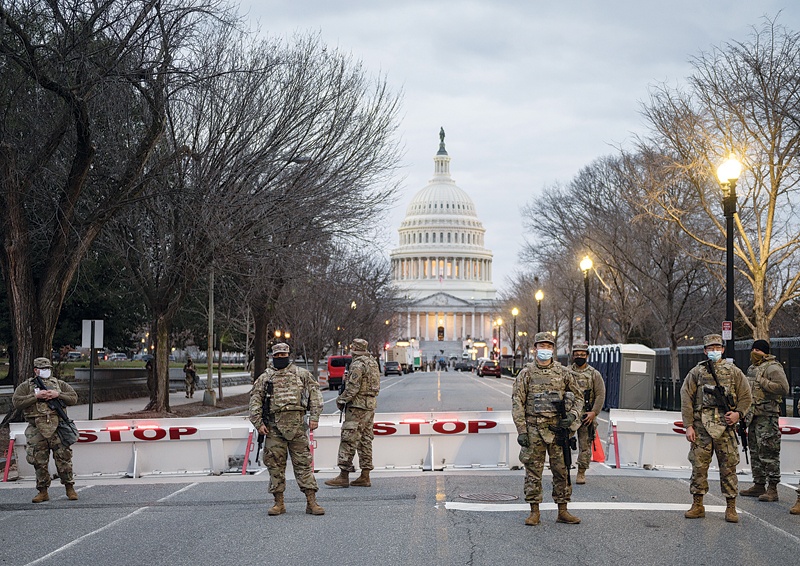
[294,391]
[533,412]
[699,410]
[591,383]
[41,433]
[361,389]
[768,384]
[190,374]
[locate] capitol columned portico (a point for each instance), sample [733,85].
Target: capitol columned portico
[443,270]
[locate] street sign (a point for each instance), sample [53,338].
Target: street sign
[727,330]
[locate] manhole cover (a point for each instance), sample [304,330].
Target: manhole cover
[488,496]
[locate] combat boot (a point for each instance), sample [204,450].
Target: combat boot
[362,480]
[696,511]
[771,494]
[564,516]
[796,509]
[312,508]
[279,508]
[533,518]
[342,480]
[71,495]
[730,511]
[41,496]
[580,479]
[755,491]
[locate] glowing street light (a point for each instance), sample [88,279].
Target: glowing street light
[728,174]
[586,266]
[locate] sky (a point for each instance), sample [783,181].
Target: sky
[528,92]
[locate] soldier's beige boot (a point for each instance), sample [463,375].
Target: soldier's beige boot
[362,480]
[533,518]
[564,516]
[580,479]
[796,509]
[342,480]
[312,507]
[71,495]
[41,496]
[771,494]
[755,491]
[730,511]
[696,511]
[279,508]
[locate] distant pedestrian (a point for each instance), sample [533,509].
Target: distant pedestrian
[279,401]
[768,385]
[710,425]
[358,402]
[41,435]
[190,377]
[594,396]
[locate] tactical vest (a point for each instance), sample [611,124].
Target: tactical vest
[704,397]
[41,408]
[763,403]
[288,389]
[544,385]
[371,382]
[583,377]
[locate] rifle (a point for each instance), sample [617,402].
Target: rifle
[564,437]
[56,404]
[591,429]
[264,415]
[67,431]
[341,390]
[725,401]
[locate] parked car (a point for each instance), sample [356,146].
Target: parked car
[489,367]
[464,365]
[117,357]
[337,365]
[392,367]
[74,356]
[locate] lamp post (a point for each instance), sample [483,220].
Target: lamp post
[586,266]
[499,322]
[539,296]
[514,313]
[728,173]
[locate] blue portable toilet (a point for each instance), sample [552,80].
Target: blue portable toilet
[628,371]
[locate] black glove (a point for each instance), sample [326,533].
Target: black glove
[523,440]
[341,405]
[567,421]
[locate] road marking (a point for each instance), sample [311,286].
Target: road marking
[104,527]
[439,387]
[591,505]
[485,384]
[399,380]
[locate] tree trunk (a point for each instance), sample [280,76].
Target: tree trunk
[163,325]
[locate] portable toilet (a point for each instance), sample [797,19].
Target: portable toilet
[628,371]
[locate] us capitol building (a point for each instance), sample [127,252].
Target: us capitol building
[442,270]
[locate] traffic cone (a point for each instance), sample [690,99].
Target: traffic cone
[597,450]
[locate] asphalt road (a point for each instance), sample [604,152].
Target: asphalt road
[407,518]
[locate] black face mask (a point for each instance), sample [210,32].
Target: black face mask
[280,363]
[579,361]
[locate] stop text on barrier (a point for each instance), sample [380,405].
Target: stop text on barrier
[414,426]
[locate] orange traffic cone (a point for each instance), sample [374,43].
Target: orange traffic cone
[597,450]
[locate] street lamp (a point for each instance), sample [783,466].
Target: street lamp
[586,266]
[499,323]
[514,313]
[539,296]
[728,173]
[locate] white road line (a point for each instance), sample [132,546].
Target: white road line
[771,526]
[103,528]
[333,399]
[592,505]
[485,384]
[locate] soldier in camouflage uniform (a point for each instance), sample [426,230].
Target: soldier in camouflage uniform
[292,391]
[594,396]
[41,434]
[358,401]
[537,385]
[768,384]
[189,376]
[711,428]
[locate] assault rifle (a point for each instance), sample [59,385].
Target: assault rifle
[564,437]
[725,401]
[67,431]
[591,428]
[341,390]
[264,415]
[56,404]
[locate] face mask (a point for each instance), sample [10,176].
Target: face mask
[280,363]
[44,373]
[579,361]
[544,355]
[756,357]
[715,356]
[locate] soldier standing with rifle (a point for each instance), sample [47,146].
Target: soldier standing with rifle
[768,385]
[38,403]
[714,397]
[594,397]
[278,404]
[542,390]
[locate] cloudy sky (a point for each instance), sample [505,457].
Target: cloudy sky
[528,92]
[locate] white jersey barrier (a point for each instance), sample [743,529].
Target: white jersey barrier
[657,439]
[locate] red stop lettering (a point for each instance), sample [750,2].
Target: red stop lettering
[157,433]
[413,426]
[86,436]
[383,429]
[175,432]
[476,426]
[441,427]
